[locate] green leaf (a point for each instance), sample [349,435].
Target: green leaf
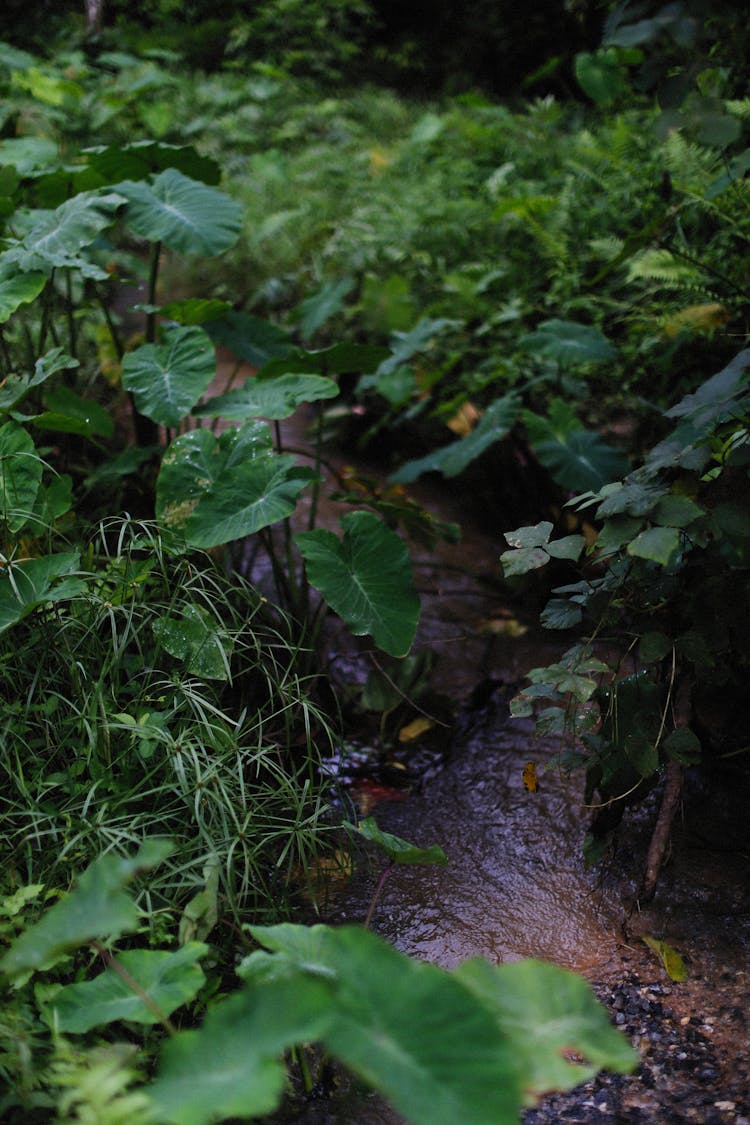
[230,1067]
[184,214]
[29,583]
[684,746]
[600,76]
[675,510]
[523,559]
[366,578]
[17,288]
[99,906]
[68,413]
[28,154]
[195,310]
[57,237]
[316,309]
[167,379]
[561,614]
[569,343]
[275,397]
[254,340]
[398,850]
[536,535]
[339,359]
[215,490]
[580,460]
[654,646]
[657,544]
[410,1029]
[169,979]
[15,387]
[496,422]
[715,400]
[20,475]
[548,1013]
[669,957]
[195,639]
[138,160]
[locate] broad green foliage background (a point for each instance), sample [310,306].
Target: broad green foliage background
[547,299]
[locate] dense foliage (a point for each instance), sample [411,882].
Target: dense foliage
[532,300]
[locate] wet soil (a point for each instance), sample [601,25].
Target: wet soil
[516,885]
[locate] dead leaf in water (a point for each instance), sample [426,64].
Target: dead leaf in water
[530,778]
[413,729]
[503,626]
[669,957]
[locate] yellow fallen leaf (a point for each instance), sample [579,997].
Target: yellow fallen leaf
[464,420]
[530,778]
[669,957]
[697,318]
[413,729]
[503,626]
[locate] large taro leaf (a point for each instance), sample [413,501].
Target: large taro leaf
[17,288]
[581,460]
[167,379]
[578,459]
[552,1017]
[15,387]
[496,422]
[275,397]
[568,343]
[29,583]
[184,214]
[215,490]
[169,979]
[20,475]
[99,906]
[410,1029]
[55,238]
[254,340]
[231,1067]
[339,359]
[366,579]
[138,160]
[195,639]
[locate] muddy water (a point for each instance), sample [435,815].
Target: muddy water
[515,885]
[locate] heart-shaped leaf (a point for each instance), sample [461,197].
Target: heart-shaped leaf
[56,238]
[276,397]
[398,850]
[99,906]
[496,422]
[167,379]
[366,578]
[569,343]
[549,1013]
[250,338]
[184,214]
[231,1067]
[168,979]
[215,490]
[29,583]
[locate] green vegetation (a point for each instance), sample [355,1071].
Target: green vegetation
[530,298]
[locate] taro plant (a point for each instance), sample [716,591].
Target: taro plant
[213,488]
[476,1043]
[664,585]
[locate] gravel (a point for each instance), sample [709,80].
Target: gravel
[683,1076]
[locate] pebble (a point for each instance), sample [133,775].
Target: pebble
[677,1082]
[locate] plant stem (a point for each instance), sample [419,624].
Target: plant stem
[72,338]
[384,875]
[112,963]
[153,277]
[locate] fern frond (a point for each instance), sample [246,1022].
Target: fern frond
[739,108]
[95,1086]
[663,267]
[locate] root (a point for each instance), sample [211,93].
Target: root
[660,837]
